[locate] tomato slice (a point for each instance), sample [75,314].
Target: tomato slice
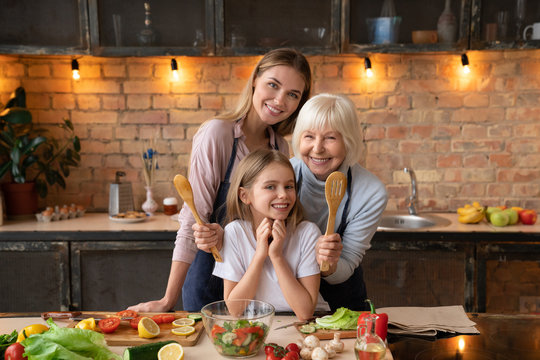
[127,313]
[109,325]
[167,318]
[134,323]
[158,318]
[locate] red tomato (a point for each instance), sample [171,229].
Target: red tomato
[135,322]
[157,318]
[272,356]
[15,352]
[291,355]
[269,348]
[292,347]
[216,329]
[127,313]
[109,325]
[167,318]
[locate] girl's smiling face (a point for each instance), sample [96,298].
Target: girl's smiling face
[272,194]
[322,150]
[277,93]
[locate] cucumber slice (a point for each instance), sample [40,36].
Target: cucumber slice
[146,351]
[307,329]
[195,317]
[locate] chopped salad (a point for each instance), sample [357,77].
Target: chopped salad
[239,338]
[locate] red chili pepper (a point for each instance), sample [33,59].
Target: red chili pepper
[381,324]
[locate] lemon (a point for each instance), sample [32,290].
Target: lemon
[172,351]
[183,322]
[184,330]
[31,330]
[148,328]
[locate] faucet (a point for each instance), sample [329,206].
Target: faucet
[412,200]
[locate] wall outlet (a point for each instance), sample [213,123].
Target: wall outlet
[529,304]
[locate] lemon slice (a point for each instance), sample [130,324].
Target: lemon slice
[172,351]
[183,322]
[184,330]
[148,328]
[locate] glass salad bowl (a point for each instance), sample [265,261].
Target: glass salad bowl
[237,328]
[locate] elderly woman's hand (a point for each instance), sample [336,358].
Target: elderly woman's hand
[328,249]
[207,236]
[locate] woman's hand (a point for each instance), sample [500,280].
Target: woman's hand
[279,231]
[328,248]
[207,236]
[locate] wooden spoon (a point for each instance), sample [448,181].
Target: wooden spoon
[184,189]
[334,190]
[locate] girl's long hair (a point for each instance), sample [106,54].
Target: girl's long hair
[276,57]
[246,174]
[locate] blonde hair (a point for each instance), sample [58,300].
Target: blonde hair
[335,111]
[276,57]
[246,174]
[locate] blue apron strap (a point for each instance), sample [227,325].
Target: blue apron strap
[343,224]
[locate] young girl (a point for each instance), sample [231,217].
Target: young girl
[268,251]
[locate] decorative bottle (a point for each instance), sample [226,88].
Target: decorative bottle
[150,205]
[147,36]
[447,25]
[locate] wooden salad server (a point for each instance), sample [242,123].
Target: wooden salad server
[184,190]
[334,190]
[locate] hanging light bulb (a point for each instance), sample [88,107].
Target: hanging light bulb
[367,65]
[75,69]
[174,68]
[465,63]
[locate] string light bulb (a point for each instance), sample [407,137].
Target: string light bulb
[75,69]
[367,66]
[465,63]
[174,69]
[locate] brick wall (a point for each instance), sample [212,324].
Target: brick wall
[468,137]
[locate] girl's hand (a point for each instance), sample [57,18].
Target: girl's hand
[262,234]
[207,236]
[279,231]
[328,248]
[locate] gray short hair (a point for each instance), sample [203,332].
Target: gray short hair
[335,111]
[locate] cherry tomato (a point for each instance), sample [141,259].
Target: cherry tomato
[127,313]
[291,355]
[109,325]
[272,356]
[135,322]
[15,351]
[292,347]
[269,348]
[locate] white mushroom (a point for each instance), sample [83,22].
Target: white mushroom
[331,352]
[311,342]
[300,343]
[319,354]
[305,353]
[336,344]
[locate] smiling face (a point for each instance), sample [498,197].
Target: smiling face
[322,150]
[276,94]
[272,194]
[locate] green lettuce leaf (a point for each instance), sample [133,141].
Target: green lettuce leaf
[342,319]
[67,343]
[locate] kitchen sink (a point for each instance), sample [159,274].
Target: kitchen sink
[406,221]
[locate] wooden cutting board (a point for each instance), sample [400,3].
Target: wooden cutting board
[329,334]
[125,335]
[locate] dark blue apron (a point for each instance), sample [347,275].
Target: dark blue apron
[352,292]
[201,287]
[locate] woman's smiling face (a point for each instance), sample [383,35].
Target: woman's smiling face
[277,93]
[322,150]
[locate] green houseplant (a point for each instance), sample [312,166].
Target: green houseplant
[29,153]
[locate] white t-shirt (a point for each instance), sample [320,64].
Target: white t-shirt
[239,246]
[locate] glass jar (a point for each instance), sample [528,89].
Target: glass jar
[368,345]
[170,206]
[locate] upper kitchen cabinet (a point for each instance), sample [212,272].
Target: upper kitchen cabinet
[388,26]
[44,27]
[149,28]
[248,27]
[500,24]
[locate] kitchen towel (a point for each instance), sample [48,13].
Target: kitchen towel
[427,321]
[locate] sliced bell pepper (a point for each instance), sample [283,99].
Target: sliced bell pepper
[381,324]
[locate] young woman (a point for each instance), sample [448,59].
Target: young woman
[327,138]
[278,87]
[269,252]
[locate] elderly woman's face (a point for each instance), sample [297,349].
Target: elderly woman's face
[323,151]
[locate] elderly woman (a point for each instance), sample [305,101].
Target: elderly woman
[327,138]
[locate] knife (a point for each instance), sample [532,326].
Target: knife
[296,323]
[77,316]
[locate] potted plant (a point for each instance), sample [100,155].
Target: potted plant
[34,159]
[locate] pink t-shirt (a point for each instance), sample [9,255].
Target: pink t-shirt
[210,154]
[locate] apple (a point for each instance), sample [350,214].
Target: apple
[513,216]
[490,210]
[527,216]
[499,218]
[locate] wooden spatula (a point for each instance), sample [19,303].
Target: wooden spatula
[184,189]
[334,190]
